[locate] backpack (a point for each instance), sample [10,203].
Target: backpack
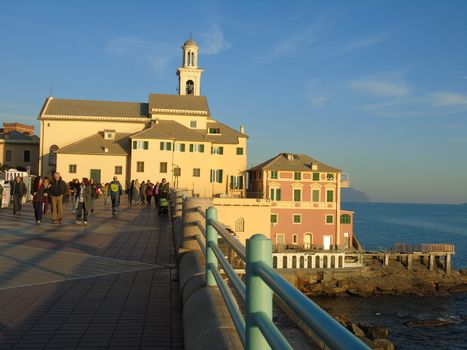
[113,187]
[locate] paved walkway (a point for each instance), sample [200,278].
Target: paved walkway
[110,284]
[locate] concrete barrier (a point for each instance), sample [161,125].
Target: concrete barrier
[206,320]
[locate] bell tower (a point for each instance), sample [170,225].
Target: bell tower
[189,75]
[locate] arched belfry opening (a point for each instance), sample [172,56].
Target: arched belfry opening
[189,75]
[190,87]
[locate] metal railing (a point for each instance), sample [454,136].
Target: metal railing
[256,330]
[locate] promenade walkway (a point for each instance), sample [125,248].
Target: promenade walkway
[110,284]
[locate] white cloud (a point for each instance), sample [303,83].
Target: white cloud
[362,44]
[151,54]
[441,99]
[318,101]
[382,88]
[463,77]
[213,42]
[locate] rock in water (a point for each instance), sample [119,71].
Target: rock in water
[383,344]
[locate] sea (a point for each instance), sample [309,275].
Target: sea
[380,225]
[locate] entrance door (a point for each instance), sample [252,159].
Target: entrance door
[307,241]
[346,240]
[96,175]
[327,242]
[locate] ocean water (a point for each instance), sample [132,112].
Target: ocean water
[379,226]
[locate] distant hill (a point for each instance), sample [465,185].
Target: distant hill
[353,195]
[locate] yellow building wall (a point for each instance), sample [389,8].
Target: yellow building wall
[17,155]
[201,121]
[84,164]
[256,215]
[231,164]
[65,132]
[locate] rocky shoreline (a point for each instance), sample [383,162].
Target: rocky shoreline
[378,280]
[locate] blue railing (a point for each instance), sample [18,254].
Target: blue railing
[256,330]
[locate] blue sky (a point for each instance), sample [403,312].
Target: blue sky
[376,88]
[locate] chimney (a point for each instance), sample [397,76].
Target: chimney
[242,129]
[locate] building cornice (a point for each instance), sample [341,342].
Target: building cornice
[178,111]
[95,118]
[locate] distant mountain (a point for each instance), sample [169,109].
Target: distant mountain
[353,195]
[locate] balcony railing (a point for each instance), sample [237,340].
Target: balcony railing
[256,329]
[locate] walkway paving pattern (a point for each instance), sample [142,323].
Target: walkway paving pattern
[110,284]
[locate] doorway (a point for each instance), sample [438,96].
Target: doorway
[96,175]
[327,242]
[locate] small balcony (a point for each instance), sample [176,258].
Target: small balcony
[345,180]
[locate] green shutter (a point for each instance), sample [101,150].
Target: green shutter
[239,151]
[146,145]
[220,175]
[169,146]
[201,148]
[315,176]
[278,194]
[297,195]
[135,144]
[212,175]
[162,146]
[273,219]
[221,150]
[182,147]
[191,149]
[330,196]
[315,195]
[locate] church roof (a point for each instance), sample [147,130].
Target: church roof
[169,130]
[297,162]
[178,104]
[227,134]
[91,108]
[190,42]
[96,144]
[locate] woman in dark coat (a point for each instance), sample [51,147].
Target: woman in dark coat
[84,195]
[38,190]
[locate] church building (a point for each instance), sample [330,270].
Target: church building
[170,136]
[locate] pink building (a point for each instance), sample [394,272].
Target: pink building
[305,197]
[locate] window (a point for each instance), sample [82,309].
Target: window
[297,175]
[196,172]
[217,150]
[240,225]
[275,194]
[165,146]
[163,167]
[236,182]
[315,196]
[177,171]
[297,219]
[8,155]
[27,156]
[297,195]
[274,175]
[180,147]
[214,131]
[315,176]
[217,175]
[193,124]
[138,144]
[239,151]
[190,86]
[345,219]
[140,167]
[329,219]
[53,155]
[72,168]
[330,177]
[294,238]
[330,196]
[118,170]
[196,148]
[274,218]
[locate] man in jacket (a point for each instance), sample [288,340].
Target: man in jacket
[18,190]
[115,191]
[57,190]
[1,194]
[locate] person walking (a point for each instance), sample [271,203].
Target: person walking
[84,201]
[18,190]
[149,193]
[57,190]
[47,199]
[37,191]
[136,192]
[74,185]
[142,192]
[130,192]
[1,194]
[114,192]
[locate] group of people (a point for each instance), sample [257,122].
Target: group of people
[53,192]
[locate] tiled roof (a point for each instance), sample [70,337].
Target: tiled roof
[96,144]
[298,162]
[13,136]
[227,134]
[176,104]
[169,129]
[90,108]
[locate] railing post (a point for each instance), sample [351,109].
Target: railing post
[211,238]
[258,294]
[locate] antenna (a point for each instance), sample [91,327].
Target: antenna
[190,35]
[50,91]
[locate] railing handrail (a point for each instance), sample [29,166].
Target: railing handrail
[258,331]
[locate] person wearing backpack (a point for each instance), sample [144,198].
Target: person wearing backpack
[114,192]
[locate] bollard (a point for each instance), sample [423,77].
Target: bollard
[211,239]
[258,294]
